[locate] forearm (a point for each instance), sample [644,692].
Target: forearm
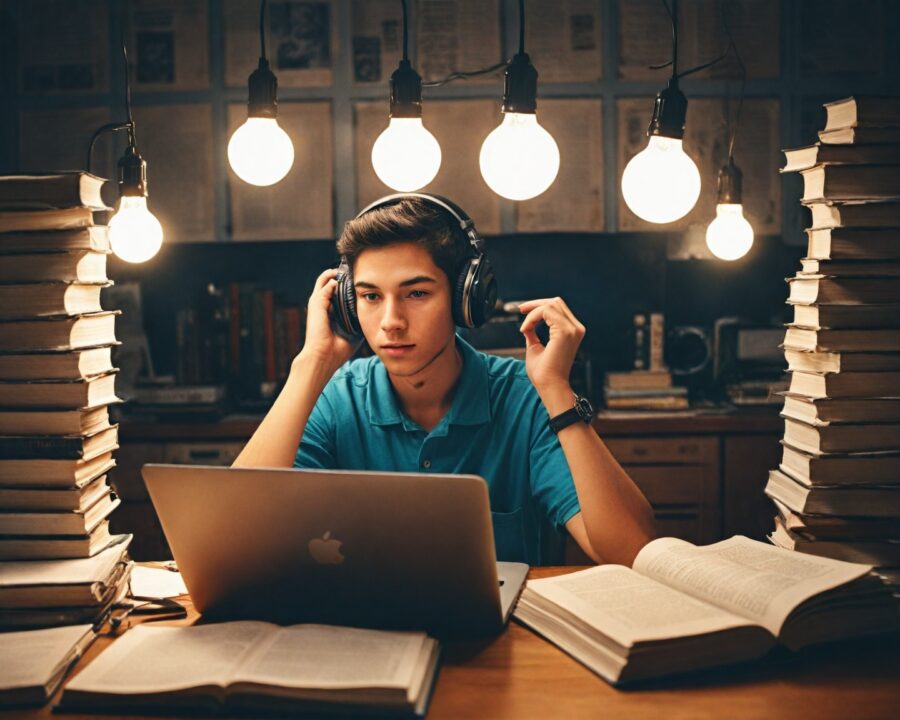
[617,517]
[275,442]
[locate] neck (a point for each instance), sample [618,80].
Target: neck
[428,394]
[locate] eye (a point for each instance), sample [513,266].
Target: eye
[418,294]
[369,296]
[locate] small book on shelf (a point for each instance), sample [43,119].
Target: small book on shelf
[71,394]
[256,667]
[853,243]
[82,582]
[71,333]
[46,547]
[66,188]
[846,500]
[20,221]
[638,379]
[838,362]
[860,136]
[803,158]
[855,339]
[71,365]
[850,268]
[841,438]
[82,421]
[807,289]
[54,447]
[85,266]
[681,607]
[94,237]
[53,473]
[48,299]
[827,469]
[861,223]
[845,384]
[77,498]
[36,661]
[816,411]
[844,316]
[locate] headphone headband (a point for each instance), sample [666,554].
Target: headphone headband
[466,224]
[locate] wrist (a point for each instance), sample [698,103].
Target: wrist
[557,398]
[308,367]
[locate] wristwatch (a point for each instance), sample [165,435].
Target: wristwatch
[582,411]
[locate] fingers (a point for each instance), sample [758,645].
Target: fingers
[554,312]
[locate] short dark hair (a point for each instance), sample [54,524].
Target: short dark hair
[412,220]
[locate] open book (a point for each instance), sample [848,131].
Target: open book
[684,607]
[256,666]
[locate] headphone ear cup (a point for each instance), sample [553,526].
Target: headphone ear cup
[343,303]
[460,300]
[482,293]
[348,298]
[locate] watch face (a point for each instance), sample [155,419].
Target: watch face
[584,409]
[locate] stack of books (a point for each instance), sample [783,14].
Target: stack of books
[837,490]
[643,390]
[56,383]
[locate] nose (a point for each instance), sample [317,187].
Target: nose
[393,317]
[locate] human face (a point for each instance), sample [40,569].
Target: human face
[404,306]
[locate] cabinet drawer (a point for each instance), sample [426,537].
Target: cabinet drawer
[215,453]
[670,484]
[678,450]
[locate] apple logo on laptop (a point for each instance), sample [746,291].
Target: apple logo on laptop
[326,550]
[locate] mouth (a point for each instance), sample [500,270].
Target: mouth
[396,349]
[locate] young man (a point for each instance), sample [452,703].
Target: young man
[429,402]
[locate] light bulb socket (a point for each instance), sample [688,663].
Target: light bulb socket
[669,112]
[132,174]
[730,185]
[520,86]
[406,92]
[263,84]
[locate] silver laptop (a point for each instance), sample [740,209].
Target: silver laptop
[374,549]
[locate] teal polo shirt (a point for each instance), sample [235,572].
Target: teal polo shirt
[496,428]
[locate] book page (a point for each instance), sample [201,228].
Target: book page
[168,44]
[162,659]
[324,656]
[457,35]
[377,27]
[563,39]
[31,658]
[300,41]
[63,47]
[629,608]
[747,577]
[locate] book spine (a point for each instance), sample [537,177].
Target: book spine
[45,448]
[268,313]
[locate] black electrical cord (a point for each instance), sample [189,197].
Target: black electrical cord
[131,134]
[405,32]
[521,27]
[262,31]
[740,62]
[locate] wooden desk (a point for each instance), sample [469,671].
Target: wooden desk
[519,675]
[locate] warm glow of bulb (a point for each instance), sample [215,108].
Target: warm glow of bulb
[661,183]
[260,152]
[729,236]
[134,232]
[406,156]
[519,159]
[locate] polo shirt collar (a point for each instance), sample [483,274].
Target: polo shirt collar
[471,401]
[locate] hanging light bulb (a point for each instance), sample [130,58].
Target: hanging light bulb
[135,234]
[729,236]
[405,155]
[260,151]
[661,183]
[519,159]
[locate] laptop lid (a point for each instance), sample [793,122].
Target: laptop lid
[375,549]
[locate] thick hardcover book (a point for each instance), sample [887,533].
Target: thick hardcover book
[35,300]
[94,238]
[869,220]
[816,317]
[31,524]
[67,365]
[845,384]
[69,188]
[806,157]
[46,547]
[16,221]
[84,266]
[843,438]
[873,551]
[851,182]
[863,111]
[53,473]
[837,362]
[816,411]
[809,467]
[808,289]
[73,333]
[681,607]
[845,501]
[59,448]
[255,667]
[843,339]
[60,394]
[77,498]
[82,421]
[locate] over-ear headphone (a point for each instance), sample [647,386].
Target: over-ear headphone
[475,289]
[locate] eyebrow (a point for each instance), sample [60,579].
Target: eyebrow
[412,281]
